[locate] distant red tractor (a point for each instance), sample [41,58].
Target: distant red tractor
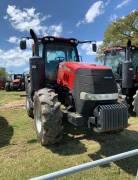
[2,82]
[59,85]
[15,82]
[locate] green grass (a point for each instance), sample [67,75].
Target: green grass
[7,97]
[22,157]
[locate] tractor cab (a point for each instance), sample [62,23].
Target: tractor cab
[114,57]
[15,82]
[124,62]
[55,51]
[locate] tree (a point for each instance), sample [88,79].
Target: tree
[3,72]
[119,31]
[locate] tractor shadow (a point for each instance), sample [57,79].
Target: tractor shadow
[112,144]
[70,144]
[6,132]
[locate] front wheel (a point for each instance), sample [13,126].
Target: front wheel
[47,117]
[7,86]
[29,103]
[29,108]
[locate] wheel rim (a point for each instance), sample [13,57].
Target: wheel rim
[38,120]
[27,104]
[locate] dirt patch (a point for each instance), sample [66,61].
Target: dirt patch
[133,127]
[13,105]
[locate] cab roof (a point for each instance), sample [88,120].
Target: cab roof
[119,48]
[58,39]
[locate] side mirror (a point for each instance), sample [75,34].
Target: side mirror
[23,44]
[94,47]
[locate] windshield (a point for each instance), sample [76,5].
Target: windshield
[60,52]
[114,60]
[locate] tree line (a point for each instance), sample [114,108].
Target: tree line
[119,31]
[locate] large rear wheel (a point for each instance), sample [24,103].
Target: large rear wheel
[7,86]
[47,117]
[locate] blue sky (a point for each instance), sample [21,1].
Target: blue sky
[84,20]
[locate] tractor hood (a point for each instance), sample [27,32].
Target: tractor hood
[68,71]
[74,66]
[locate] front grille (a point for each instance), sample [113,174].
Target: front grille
[111,117]
[94,82]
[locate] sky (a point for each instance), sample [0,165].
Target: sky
[81,19]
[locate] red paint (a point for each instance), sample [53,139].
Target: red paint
[16,81]
[67,71]
[2,83]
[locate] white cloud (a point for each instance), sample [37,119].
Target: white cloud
[14,58]
[95,10]
[87,48]
[55,30]
[27,18]
[123,3]
[79,23]
[23,20]
[113,17]
[134,10]
[13,39]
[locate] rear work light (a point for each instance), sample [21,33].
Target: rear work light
[73,41]
[49,39]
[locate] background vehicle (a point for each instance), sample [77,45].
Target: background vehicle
[124,63]
[59,86]
[2,82]
[15,82]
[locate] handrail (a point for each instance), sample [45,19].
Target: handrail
[86,166]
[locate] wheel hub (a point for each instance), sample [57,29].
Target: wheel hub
[38,120]
[27,104]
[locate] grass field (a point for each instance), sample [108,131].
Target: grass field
[21,157]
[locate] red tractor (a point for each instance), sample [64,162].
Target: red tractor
[59,86]
[2,82]
[124,62]
[15,82]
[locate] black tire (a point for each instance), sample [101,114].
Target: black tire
[12,87]
[7,86]
[47,117]
[135,103]
[29,103]
[29,108]
[22,86]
